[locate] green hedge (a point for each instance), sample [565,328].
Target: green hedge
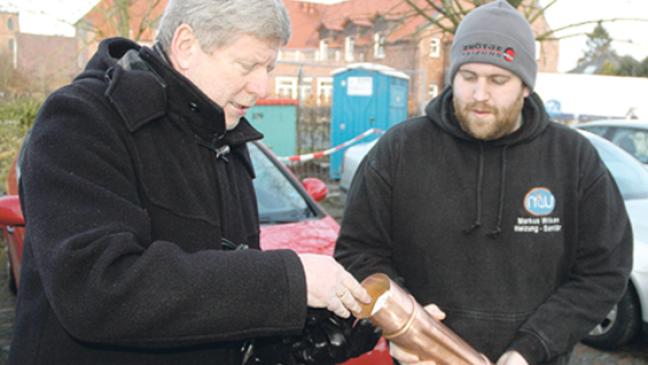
[16,117]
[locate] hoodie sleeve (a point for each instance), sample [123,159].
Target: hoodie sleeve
[598,277]
[364,244]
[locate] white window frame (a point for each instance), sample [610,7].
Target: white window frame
[323,50]
[287,83]
[435,48]
[349,45]
[379,46]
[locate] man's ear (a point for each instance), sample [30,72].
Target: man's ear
[526,91]
[183,47]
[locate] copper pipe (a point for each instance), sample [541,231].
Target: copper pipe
[404,322]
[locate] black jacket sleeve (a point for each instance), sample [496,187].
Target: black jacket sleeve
[106,281]
[364,246]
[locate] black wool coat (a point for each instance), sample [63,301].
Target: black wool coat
[126,204]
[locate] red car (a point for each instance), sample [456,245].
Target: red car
[288,212]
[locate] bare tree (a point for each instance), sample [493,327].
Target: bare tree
[12,81]
[133,19]
[447,14]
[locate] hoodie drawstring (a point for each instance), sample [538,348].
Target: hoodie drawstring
[480,180]
[500,209]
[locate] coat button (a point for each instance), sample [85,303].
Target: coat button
[194,107]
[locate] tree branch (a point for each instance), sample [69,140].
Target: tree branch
[432,20]
[549,35]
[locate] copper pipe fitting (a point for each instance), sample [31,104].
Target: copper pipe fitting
[404,322]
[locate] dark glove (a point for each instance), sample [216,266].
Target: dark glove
[326,340]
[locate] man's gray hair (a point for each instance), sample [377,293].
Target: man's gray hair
[218,22]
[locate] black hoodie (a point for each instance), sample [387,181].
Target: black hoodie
[126,200]
[523,241]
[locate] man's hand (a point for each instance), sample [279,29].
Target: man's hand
[330,286]
[512,358]
[408,358]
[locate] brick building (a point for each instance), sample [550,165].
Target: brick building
[326,37]
[49,61]
[36,63]
[9,28]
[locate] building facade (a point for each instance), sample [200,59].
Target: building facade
[326,37]
[9,30]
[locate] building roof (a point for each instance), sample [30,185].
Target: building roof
[307,19]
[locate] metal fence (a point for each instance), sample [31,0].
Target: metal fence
[313,135]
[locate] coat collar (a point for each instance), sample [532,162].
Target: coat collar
[144,87]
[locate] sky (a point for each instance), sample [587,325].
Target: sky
[631,37]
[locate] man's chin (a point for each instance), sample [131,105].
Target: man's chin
[482,130]
[232,122]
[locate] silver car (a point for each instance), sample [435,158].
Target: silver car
[631,313]
[630,135]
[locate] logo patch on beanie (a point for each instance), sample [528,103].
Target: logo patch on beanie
[509,54]
[489,49]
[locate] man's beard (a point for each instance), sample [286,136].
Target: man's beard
[506,119]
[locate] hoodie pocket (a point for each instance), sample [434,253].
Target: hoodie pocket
[488,332]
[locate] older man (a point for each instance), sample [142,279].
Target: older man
[135,176]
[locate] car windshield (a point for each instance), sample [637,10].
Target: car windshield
[278,199]
[629,174]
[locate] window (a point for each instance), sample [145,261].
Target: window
[433,91]
[435,47]
[628,173]
[349,44]
[286,87]
[633,141]
[324,89]
[323,50]
[379,45]
[10,24]
[277,198]
[538,49]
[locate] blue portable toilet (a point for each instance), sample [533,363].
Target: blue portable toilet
[365,96]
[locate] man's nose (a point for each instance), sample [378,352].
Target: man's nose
[258,83]
[481,91]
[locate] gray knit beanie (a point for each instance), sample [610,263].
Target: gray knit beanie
[497,34]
